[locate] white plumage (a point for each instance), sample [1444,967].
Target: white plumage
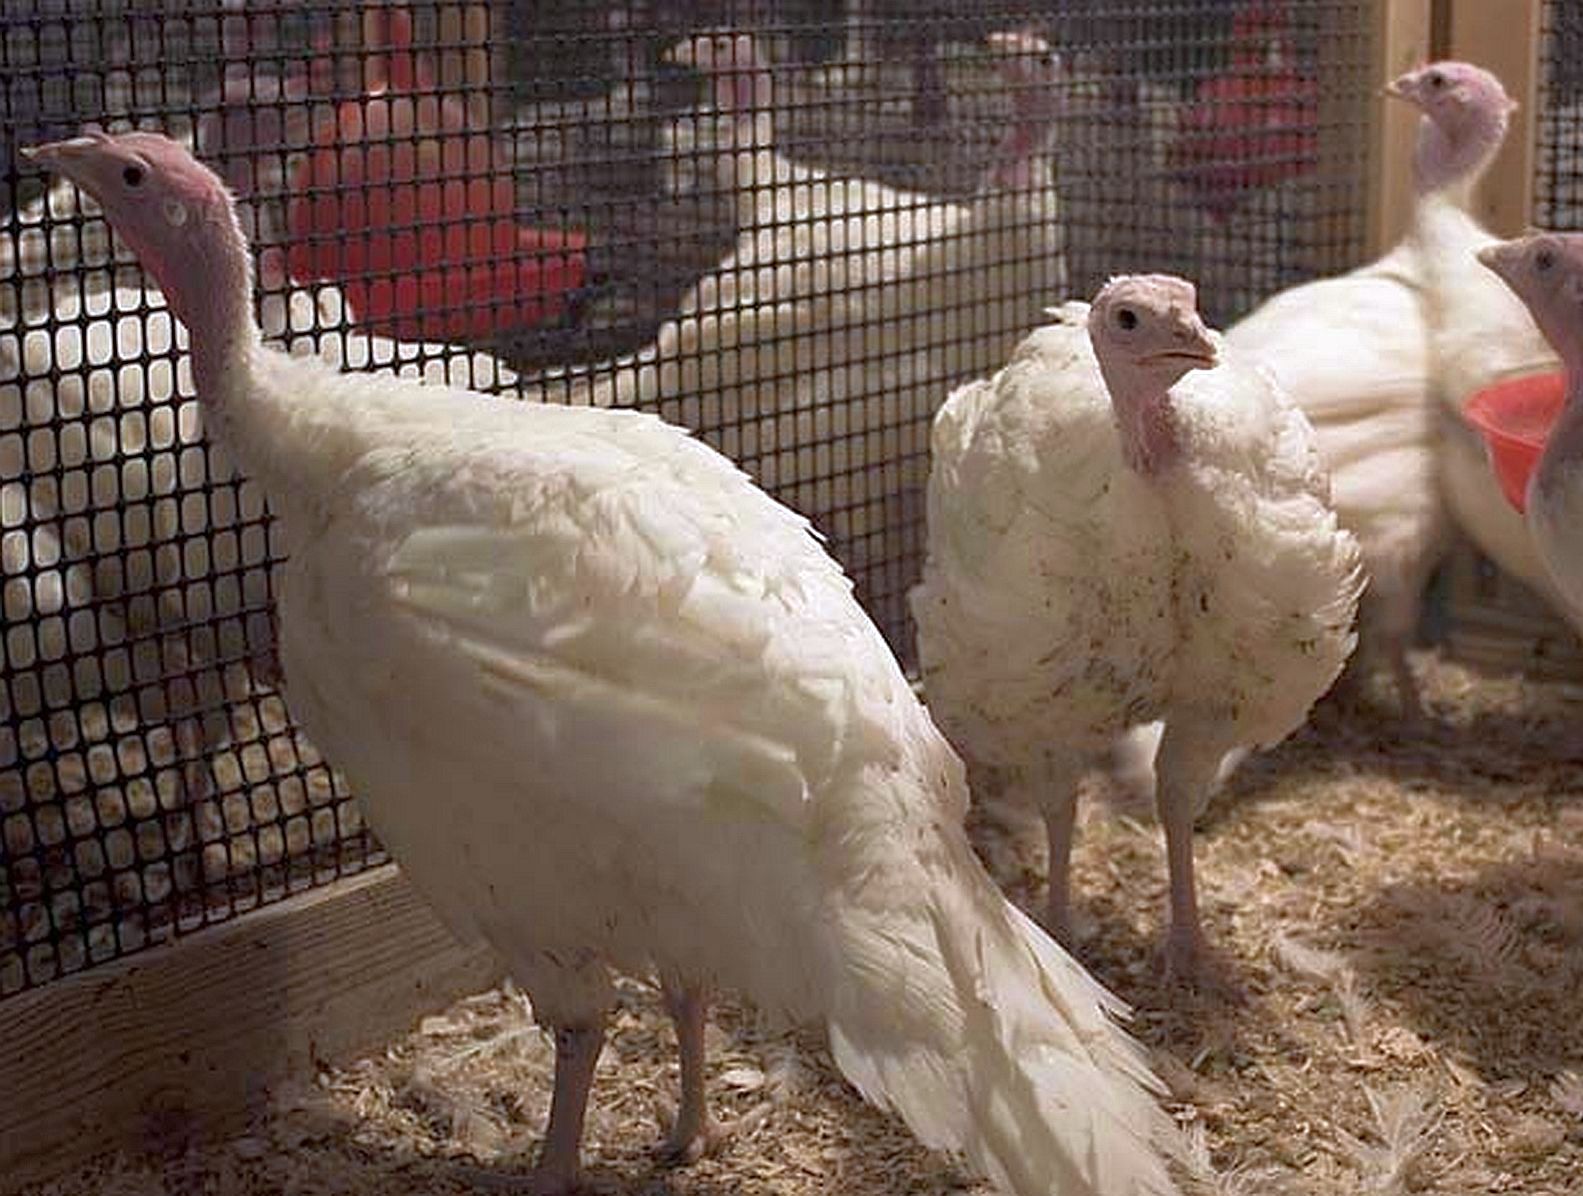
[610,705]
[779,817]
[1481,333]
[1069,596]
[1354,353]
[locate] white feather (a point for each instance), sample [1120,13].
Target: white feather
[821,342]
[1067,598]
[1480,334]
[609,704]
[135,524]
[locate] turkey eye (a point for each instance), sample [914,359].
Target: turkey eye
[1436,79]
[1127,319]
[132,176]
[1544,259]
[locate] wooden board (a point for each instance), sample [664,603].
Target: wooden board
[188,1039]
[1401,42]
[1495,622]
[1503,37]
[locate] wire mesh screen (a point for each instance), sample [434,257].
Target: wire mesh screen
[794,243]
[1558,191]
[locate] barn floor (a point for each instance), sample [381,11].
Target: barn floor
[1405,910]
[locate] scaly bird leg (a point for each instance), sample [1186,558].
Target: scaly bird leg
[1185,769]
[1060,820]
[693,1132]
[576,1053]
[1412,706]
[1056,797]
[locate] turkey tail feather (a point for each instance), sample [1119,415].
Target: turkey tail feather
[988,1039]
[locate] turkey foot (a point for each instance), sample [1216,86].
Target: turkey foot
[688,1139]
[558,1172]
[691,1132]
[1189,962]
[694,1137]
[1412,705]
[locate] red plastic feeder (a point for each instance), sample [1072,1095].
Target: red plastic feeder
[1515,418]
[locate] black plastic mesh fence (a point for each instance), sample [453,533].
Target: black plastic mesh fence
[794,245]
[1558,190]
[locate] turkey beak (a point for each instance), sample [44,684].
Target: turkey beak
[72,158]
[1198,343]
[1401,88]
[1501,258]
[1192,344]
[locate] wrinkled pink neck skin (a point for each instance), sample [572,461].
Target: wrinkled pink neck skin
[209,288]
[220,319]
[1150,440]
[1448,159]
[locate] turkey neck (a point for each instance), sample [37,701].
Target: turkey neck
[1026,145]
[1562,458]
[246,407]
[1150,443]
[744,159]
[1450,165]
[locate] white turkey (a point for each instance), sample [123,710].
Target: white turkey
[818,347]
[1128,523]
[1545,271]
[1354,353]
[1481,333]
[131,541]
[483,599]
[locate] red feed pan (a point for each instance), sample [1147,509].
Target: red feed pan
[1515,418]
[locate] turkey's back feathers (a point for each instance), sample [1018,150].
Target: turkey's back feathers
[598,579]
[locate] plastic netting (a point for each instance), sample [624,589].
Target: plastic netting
[552,200]
[1558,191]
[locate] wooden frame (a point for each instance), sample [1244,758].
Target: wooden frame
[186,1040]
[1401,42]
[1503,37]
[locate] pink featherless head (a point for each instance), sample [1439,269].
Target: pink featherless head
[175,213]
[1441,88]
[114,168]
[1467,103]
[1147,333]
[1545,271]
[1466,113]
[1151,320]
